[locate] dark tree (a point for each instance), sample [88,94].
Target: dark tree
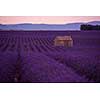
[89,27]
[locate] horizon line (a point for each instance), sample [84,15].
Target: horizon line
[49,23]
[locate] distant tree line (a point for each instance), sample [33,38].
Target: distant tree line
[89,27]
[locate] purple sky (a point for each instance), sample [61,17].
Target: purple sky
[46,19]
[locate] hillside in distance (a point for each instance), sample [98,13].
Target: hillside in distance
[30,26]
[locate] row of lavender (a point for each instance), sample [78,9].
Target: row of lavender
[41,42]
[28,56]
[35,67]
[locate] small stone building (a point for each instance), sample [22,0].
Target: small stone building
[63,41]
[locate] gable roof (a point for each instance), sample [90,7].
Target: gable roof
[63,38]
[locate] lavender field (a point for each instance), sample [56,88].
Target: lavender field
[32,57]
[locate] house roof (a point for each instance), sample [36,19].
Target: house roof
[63,38]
